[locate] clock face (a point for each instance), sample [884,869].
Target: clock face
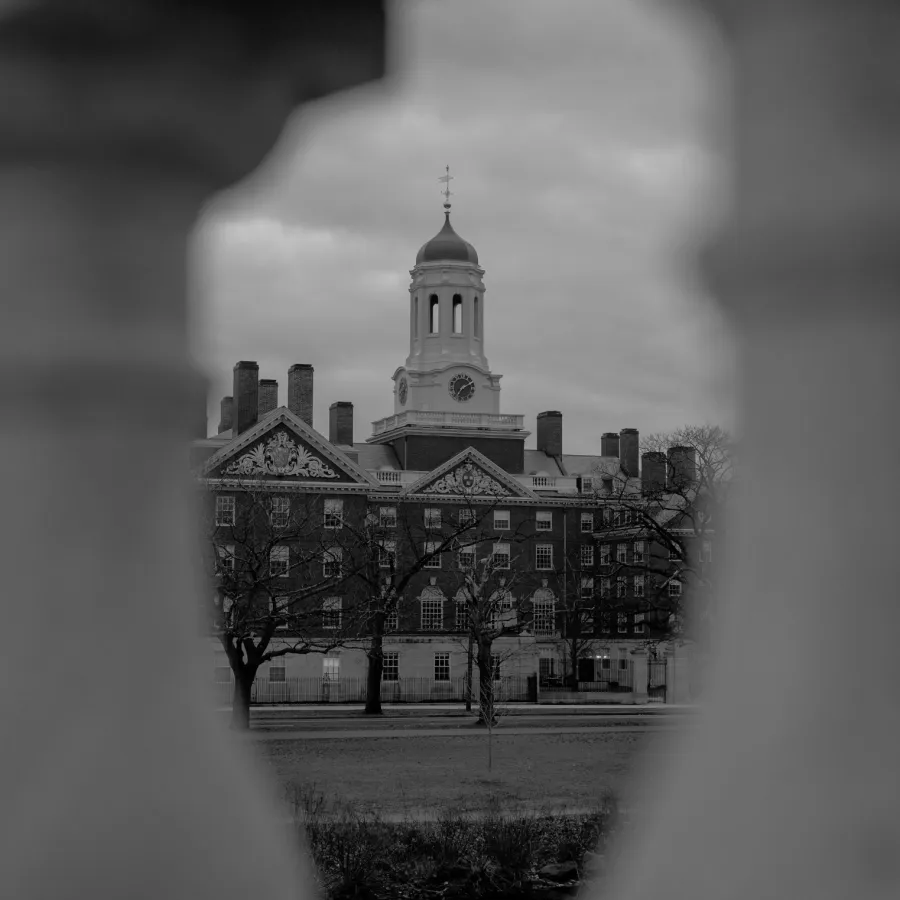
[461,388]
[402,391]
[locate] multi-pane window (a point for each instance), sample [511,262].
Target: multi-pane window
[281,607]
[390,667]
[334,513]
[607,515]
[604,554]
[279,562]
[433,558]
[224,510]
[675,552]
[495,666]
[331,613]
[587,588]
[331,668]
[605,626]
[462,615]
[277,669]
[640,552]
[544,617]
[543,557]
[392,619]
[500,556]
[622,553]
[433,518]
[226,560]
[467,557]
[623,623]
[617,517]
[544,521]
[587,556]
[638,585]
[626,517]
[706,551]
[621,586]
[587,523]
[387,554]
[547,666]
[466,517]
[501,604]
[501,520]
[387,516]
[280,512]
[441,666]
[605,587]
[639,625]
[674,588]
[331,562]
[432,613]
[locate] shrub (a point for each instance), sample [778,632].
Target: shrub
[493,855]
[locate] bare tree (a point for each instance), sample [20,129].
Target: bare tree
[273,567]
[671,524]
[492,600]
[386,553]
[576,589]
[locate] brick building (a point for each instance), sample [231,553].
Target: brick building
[585,573]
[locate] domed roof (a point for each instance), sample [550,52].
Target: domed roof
[447,244]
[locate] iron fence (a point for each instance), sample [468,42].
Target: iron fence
[616,680]
[509,689]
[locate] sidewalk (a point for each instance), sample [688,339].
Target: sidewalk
[399,710]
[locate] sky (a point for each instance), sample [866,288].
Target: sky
[583,137]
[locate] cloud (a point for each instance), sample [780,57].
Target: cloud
[578,135]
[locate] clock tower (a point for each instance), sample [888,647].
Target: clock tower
[446,388]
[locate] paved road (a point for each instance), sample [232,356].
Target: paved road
[503,730]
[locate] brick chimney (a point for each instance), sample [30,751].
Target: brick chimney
[246,397]
[268,396]
[609,444]
[682,467]
[549,432]
[225,410]
[300,392]
[653,472]
[340,423]
[629,451]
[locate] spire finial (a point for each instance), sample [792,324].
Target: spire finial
[446,192]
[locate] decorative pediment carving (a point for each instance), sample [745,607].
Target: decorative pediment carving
[280,456]
[468,479]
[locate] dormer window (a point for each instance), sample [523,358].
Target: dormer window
[457,314]
[434,314]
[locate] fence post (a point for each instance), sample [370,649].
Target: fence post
[120,121]
[785,786]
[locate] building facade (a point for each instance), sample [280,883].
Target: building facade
[565,535]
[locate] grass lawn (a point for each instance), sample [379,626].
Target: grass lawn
[414,773]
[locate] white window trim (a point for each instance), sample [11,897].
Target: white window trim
[220,503]
[502,515]
[336,520]
[387,516]
[537,556]
[434,668]
[543,520]
[330,606]
[435,561]
[281,553]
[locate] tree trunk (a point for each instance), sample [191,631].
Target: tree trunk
[469,676]
[240,701]
[485,686]
[374,671]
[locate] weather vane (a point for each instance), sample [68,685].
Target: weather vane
[446,192]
